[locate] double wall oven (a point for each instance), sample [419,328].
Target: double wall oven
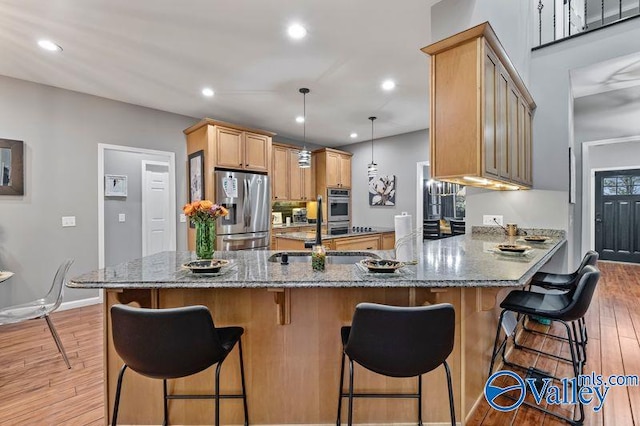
[338,211]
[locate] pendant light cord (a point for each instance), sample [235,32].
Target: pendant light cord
[372,118]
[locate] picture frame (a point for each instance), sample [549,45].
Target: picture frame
[196,177]
[572,176]
[11,167]
[115,185]
[382,190]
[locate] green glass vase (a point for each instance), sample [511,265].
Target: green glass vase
[205,239]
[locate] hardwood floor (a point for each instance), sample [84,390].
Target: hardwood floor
[37,388]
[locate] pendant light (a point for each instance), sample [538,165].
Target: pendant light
[304,156]
[372,169]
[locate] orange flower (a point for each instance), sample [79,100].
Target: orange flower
[223,211]
[205,205]
[188,209]
[196,205]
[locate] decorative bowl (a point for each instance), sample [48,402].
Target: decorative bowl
[512,248]
[209,266]
[381,265]
[536,238]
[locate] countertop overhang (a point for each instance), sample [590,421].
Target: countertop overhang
[461,261]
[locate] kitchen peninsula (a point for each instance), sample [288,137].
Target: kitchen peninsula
[292,317]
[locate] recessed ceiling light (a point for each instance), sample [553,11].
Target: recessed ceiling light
[388,85]
[299,119]
[353,135]
[208,92]
[49,45]
[296,31]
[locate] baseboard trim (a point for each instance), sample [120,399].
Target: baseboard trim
[73,304]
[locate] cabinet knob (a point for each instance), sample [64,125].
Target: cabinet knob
[246,165]
[240,164]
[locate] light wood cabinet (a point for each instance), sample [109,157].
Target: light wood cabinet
[387,241]
[290,182]
[333,169]
[481,113]
[369,242]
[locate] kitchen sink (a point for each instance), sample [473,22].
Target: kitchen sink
[341,258]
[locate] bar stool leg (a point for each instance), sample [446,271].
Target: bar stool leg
[217,395]
[166,408]
[350,418]
[339,418]
[452,408]
[420,400]
[244,390]
[116,405]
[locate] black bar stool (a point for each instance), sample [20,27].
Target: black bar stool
[564,282]
[563,308]
[172,343]
[397,342]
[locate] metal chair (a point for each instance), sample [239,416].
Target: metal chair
[41,308]
[458,227]
[565,308]
[172,343]
[397,342]
[431,229]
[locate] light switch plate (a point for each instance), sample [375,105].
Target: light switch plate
[488,219]
[121,217]
[183,217]
[68,221]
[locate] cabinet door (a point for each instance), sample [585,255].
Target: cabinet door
[333,169]
[513,107]
[388,241]
[256,152]
[229,148]
[345,171]
[280,174]
[528,137]
[308,187]
[491,114]
[358,243]
[502,127]
[295,176]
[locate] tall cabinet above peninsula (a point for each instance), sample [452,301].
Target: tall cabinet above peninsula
[227,146]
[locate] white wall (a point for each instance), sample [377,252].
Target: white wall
[396,155]
[61,131]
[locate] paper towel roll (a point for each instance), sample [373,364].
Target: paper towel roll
[404,246]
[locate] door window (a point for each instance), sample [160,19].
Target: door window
[621,185]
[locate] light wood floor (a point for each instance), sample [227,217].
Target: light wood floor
[36,388]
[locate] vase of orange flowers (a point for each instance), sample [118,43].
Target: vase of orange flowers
[203,215]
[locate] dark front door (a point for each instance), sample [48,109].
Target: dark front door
[618,215]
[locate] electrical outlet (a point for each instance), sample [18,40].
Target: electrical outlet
[68,221]
[183,218]
[491,219]
[121,217]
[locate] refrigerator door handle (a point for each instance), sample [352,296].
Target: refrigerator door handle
[246,209]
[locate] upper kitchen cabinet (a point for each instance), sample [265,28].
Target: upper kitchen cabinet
[481,113]
[289,181]
[333,168]
[230,146]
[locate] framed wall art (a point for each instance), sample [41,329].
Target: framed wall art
[11,167]
[196,178]
[382,190]
[115,185]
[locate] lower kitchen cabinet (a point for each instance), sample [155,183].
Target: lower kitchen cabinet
[369,242]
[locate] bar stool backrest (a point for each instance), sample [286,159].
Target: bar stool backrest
[165,343]
[581,295]
[590,259]
[458,227]
[401,341]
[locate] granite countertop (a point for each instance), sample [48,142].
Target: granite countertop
[461,261]
[293,225]
[311,235]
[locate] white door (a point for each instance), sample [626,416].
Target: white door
[157,226]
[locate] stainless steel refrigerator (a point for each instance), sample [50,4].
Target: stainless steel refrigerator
[248,199]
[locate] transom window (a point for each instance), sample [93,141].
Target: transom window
[621,185]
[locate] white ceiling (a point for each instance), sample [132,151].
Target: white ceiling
[161,53]
[615,74]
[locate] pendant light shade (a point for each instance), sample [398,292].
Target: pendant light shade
[372,169]
[304,156]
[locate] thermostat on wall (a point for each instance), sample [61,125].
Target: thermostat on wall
[115,185]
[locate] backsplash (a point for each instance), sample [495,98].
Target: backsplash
[285,208]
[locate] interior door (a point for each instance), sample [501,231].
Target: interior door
[617,215]
[156,209]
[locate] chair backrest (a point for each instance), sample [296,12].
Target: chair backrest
[431,228]
[165,343]
[52,300]
[581,294]
[458,227]
[590,258]
[401,341]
